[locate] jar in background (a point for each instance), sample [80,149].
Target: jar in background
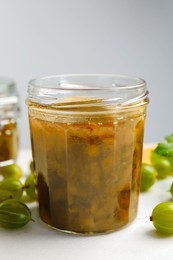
[9,115]
[87,141]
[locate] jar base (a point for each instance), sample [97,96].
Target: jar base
[88,233]
[7,162]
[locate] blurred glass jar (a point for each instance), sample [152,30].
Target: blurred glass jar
[87,140]
[9,116]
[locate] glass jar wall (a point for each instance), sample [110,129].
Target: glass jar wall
[9,116]
[87,139]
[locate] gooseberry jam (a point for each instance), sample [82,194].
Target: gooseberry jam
[87,157]
[9,117]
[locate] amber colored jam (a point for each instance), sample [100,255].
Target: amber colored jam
[88,172]
[8,140]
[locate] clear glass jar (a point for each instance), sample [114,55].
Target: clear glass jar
[9,116]
[87,139]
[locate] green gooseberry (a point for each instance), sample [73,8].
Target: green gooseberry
[148,176]
[14,214]
[162,217]
[162,164]
[12,185]
[12,170]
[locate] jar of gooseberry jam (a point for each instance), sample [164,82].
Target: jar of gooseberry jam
[9,117]
[87,140]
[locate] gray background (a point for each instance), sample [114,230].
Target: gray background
[135,37]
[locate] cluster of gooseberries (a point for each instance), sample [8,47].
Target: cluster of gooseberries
[160,167]
[14,194]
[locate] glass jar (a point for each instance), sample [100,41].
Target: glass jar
[87,140]
[9,115]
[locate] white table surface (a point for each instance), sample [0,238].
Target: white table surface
[138,240]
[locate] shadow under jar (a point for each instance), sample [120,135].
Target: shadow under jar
[9,118]
[87,140]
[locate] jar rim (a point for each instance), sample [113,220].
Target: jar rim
[115,88]
[38,82]
[8,93]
